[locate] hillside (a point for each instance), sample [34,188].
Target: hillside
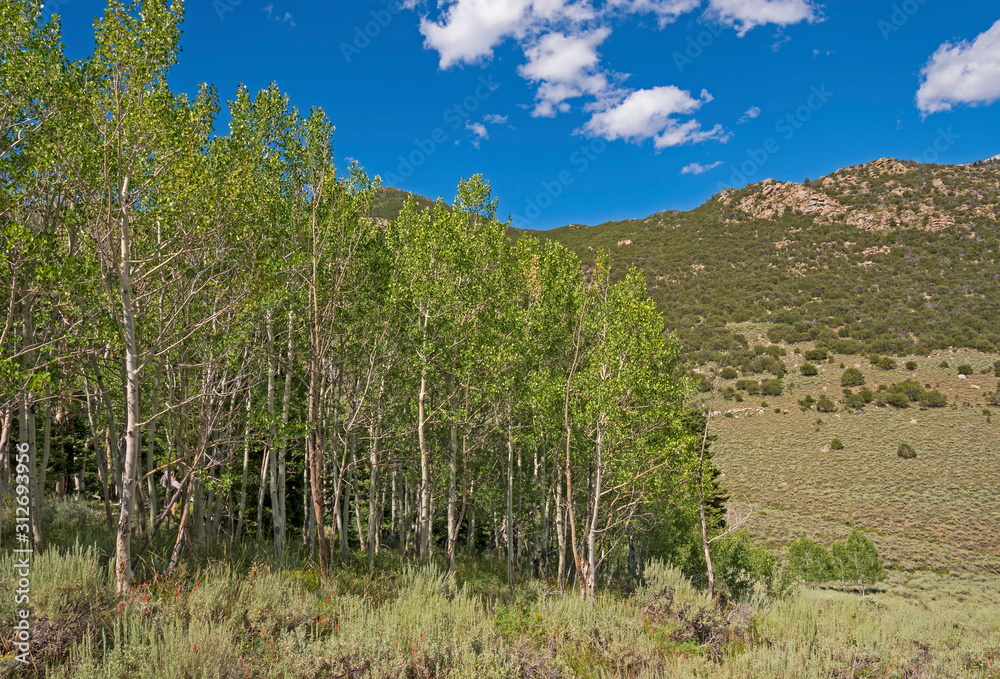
[389,202]
[891,256]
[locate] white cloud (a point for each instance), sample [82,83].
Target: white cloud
[963,73]
[561,41]
[666,11]
[652,113]
[494,119]
[745,15]
[752,112]
[472,28]
[477,129]
[698,168]
[566,67]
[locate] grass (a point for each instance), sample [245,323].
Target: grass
[937,511]
[221,623]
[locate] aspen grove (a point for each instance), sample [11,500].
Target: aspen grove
[207,334]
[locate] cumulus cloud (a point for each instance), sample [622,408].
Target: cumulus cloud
[752,112]
[494,119]
[963,73]
[561,41]
[653,114]
[470,29]
[745,15]
[477,129]
[566,67]
[698,168]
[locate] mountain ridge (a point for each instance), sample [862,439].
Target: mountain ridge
[888,256]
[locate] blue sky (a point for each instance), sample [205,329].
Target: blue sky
[583,111]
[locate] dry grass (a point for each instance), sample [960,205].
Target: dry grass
[938,511]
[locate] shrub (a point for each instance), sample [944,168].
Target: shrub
[807,402]
[866,394]
[852,377]
[855,401]
[933,399]
[743,565]
[825,404]
[816,355]
[883,362]
[729,373]
[898,399]
[836,444]
[906,451]
[751,387]
[809,370]
[911,365]
[966,370]
[771,387]
[944,364]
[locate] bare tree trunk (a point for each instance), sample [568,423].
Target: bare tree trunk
[560,535]
[6,424]
[102,463]
[345,508]
[373,520]
[424,517]
[123,561]
[452,497]
[112,450]
[591,574]
[704,518]
[315,454]
[510,498]
[264,465]
[46,442]
[271,448]
[357,496]
[151,448]
[246,472]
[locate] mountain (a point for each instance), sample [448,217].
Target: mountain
[889,257]
[389,202]
[995,161]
